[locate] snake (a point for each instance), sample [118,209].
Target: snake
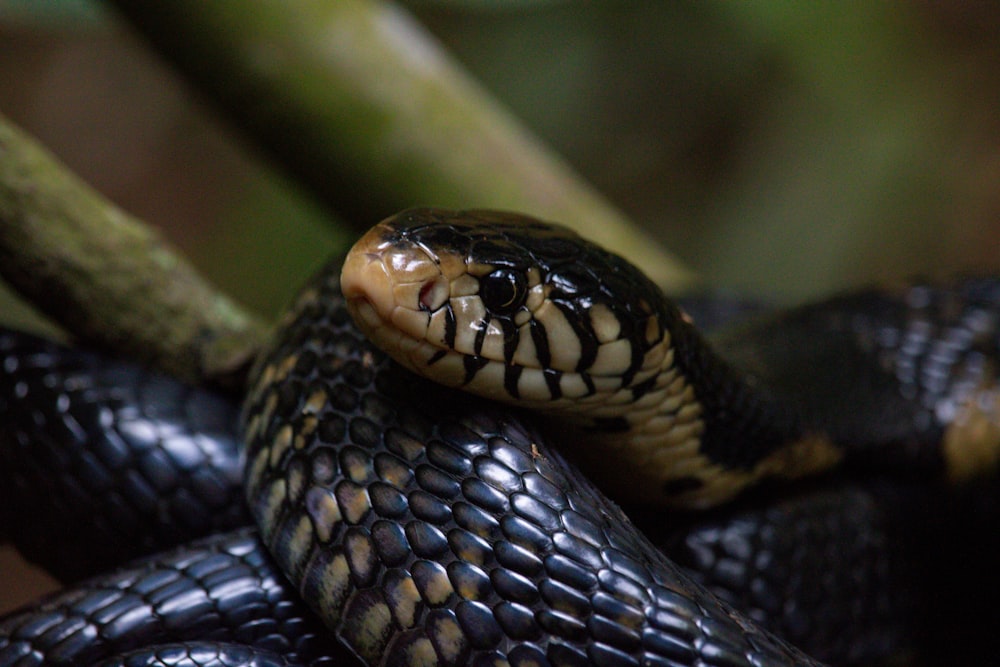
[426,526]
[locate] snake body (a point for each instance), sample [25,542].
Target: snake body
[104,461]
[427,527]
[444,531]
[46,390]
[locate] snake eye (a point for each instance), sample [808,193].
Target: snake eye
[503,291]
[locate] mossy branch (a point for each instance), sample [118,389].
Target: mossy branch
[358,101]
[109,279]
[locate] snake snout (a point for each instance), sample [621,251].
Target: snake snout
[392,286]
[366,288]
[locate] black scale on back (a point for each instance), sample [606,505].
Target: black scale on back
[879,372]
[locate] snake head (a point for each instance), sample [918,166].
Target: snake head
[507,307]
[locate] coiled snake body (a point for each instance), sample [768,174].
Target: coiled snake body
[427,527]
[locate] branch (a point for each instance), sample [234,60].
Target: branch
[364,106]
[108,278]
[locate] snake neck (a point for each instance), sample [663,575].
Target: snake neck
[898,380]
[891,379]
[708,427]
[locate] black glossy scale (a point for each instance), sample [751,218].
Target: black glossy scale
[879,372]
[757,561]
[521,501]
[199,654]
[104,461]
[828,565]
[223,589]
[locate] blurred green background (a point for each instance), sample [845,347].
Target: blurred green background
[779,148]
[784,149]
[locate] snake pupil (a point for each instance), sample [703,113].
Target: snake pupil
[503,291]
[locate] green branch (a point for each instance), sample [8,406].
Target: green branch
[109,279]
[366,108]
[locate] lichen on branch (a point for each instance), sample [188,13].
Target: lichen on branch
[109,279]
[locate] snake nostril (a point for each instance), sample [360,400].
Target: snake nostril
[433,294]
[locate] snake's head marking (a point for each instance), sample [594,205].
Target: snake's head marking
[508,307]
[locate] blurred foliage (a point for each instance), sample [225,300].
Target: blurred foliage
[781,148]
[48,14]
[790,148]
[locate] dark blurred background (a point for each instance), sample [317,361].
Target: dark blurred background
[781,149]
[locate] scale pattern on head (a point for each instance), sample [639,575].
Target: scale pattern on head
[511,308]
